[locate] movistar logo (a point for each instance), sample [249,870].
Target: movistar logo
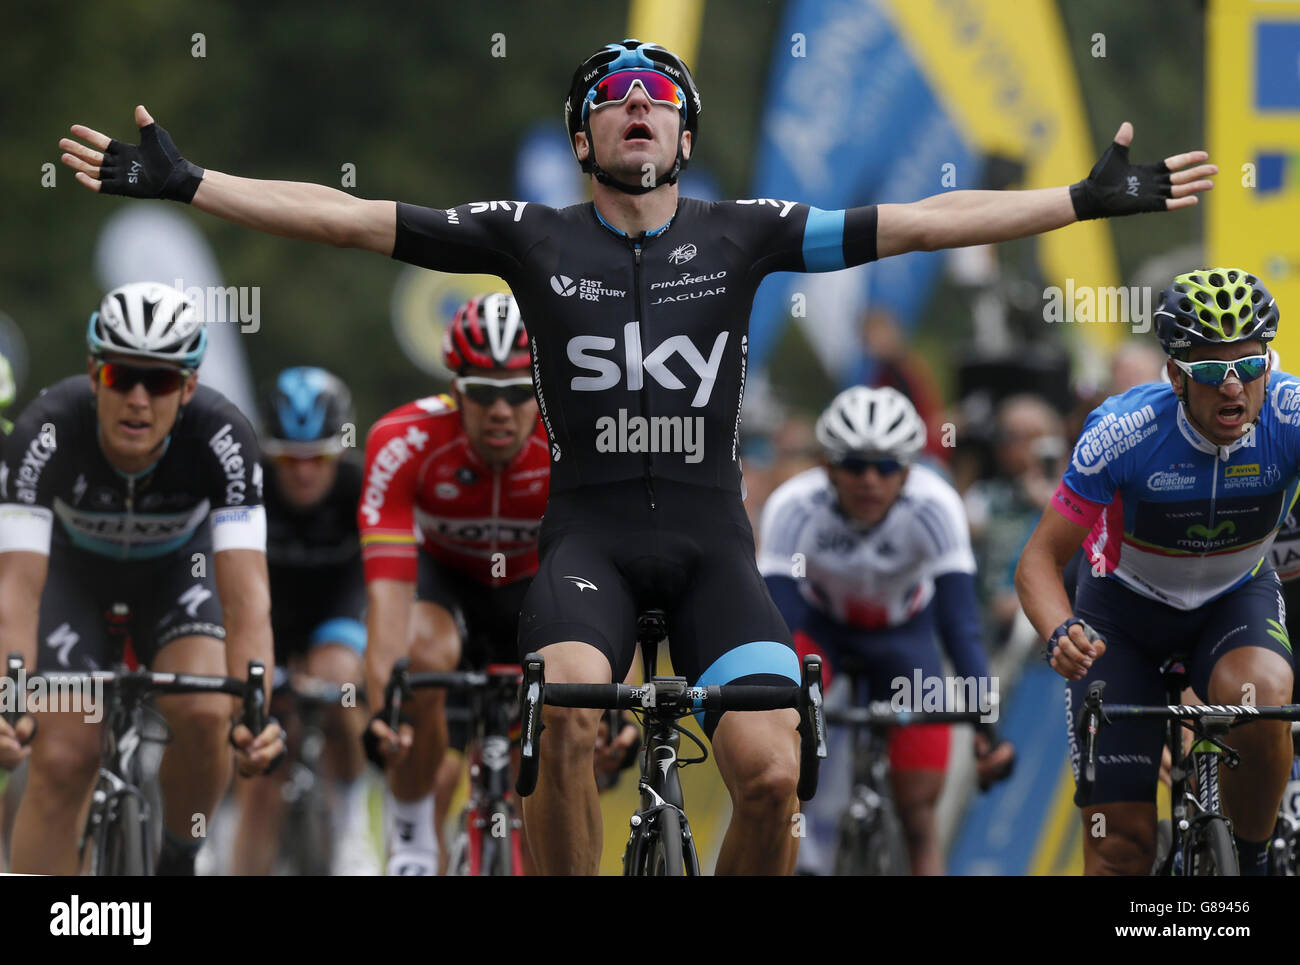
[1278,633]
[1205,533]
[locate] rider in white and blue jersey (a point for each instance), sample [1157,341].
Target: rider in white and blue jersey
[868,557]
[1177,492]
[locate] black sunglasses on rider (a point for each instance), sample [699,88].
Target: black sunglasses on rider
[484,391]
[158,380]
[858,464]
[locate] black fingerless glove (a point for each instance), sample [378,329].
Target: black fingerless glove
[370,741]
[1116,187]
[152,169]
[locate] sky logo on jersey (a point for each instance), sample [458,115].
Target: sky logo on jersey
[656,363]
[1285,399]
[1114,435]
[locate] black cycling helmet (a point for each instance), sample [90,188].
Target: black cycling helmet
[306,410]
[1215,306]
[629,54]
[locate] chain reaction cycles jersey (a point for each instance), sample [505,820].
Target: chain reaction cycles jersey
[1173,516]
[638,344]
[424,483]
[54,471]
[873,578]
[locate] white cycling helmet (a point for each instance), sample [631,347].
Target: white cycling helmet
[148,320]
[877,422]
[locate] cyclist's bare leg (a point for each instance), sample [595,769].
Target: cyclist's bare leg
[1253,792]
[196,766]
[916,792]
[444,787]
[339,664]
[758,756]
[1119,838]
[563,814]
[60,775]
[435,648]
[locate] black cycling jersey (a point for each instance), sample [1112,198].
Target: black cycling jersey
[639,344]
[314,562]
[54,469]
[320,538]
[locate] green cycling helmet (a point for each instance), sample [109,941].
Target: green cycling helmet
[1214,306]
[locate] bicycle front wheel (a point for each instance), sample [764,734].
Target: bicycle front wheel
[1211,851]
[122,846]
[666,852]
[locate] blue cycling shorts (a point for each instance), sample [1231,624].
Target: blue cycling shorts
[1140,634]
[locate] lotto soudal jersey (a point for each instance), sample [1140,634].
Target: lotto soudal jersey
[868,578]
[1173,516]
[639,344]
[57,484]
[425,484]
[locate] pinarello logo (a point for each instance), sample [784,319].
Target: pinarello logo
[563,285]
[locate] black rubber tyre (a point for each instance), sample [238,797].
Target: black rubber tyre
[312,851]
[874,848]
[122,844]
[666,853]
[1211,851]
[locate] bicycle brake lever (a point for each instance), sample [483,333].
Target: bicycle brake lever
[13,667]
[255,698]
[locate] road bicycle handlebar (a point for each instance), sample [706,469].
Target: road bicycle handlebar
[144,682]
[1095,716]
[670,698]
[881,713]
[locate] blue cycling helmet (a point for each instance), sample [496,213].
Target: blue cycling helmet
[307,407]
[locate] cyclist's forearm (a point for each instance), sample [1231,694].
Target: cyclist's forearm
[245,591]
[960,218]
[299,210]
[22,580]
[1041,588]
[388,620]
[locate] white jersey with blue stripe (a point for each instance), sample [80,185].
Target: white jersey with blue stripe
[867,578]
[1174,516]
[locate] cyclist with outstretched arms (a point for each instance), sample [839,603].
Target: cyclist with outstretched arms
[1176,492]
[318,603]
[136,486]
[869,556]
[640,302]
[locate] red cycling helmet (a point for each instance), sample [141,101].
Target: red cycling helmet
[487,333]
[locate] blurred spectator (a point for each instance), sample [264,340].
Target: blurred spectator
[891,363]
[788,449]
[1136,362]
[1029,457]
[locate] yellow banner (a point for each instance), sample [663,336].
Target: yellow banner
[1253,119]
[1006,77]
[674,24]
